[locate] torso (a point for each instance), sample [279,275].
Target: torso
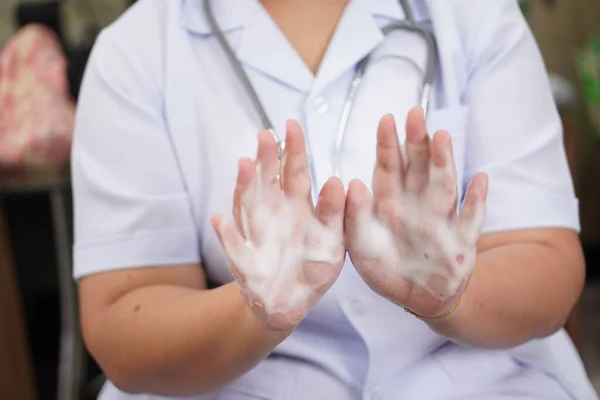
[353,336]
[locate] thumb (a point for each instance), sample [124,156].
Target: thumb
[331,203]
[358,200]
[233,245]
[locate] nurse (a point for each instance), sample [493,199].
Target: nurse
[204,270]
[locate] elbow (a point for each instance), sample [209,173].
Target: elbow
[116,363]
[121,374]
[573,285]
[134,374]
[551,325]
[127,377]
[136,380]
[139,382]
[124,382]
[559,318]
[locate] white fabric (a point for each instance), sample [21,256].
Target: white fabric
[163,120]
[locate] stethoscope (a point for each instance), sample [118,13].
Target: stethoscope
[409,24]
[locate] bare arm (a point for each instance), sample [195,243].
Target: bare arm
[158,330]
[524,286]
[526,280]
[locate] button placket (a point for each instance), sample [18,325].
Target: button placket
[320,105]
[357,307]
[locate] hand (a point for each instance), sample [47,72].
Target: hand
[407,240]
[284,253]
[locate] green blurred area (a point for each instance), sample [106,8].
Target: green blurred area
[525,7]
[588,68]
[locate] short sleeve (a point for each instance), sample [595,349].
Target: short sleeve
[515,132]
[131,208]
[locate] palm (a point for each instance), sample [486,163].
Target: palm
[283,252]
[406,240]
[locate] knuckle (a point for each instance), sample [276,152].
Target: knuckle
[297,168]
[388,161]
[390,212]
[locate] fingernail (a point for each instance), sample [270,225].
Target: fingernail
[481,190]
[290,124]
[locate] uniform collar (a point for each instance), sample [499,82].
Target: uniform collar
[230,15]
[392,10]
[234,14]
[346,49]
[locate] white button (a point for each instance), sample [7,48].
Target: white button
[375,396]
[357,307]
[320,105]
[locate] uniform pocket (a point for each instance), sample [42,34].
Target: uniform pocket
[453,119]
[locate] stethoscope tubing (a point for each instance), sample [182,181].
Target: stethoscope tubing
[409,24]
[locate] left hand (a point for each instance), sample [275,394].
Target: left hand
[407,240]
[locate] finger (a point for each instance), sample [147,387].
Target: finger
[358,202]
[442,188]
[441,151]
[472,213]
[267,163]
[234,246]
[245,197]
[387,178]
[417,151]
[324,239]
[295,173]
[331,204]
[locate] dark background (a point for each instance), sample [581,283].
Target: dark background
[30,225]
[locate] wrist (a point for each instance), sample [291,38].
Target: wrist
[453,324]
[257,325]
[446,311]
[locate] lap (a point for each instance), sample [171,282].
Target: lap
[450,373]
[274,379]
[457,373]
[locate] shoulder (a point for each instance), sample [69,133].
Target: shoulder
[142,30]
[483,22]
[143,21]
[479,14]
[481,29]
[134,46]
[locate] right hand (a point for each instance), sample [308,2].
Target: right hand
[283,252]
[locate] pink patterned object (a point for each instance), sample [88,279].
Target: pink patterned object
[36,110]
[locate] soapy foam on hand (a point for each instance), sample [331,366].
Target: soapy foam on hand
[439,252]
[427,243]
[281,243]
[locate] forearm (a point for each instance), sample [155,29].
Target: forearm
[175,341]
[517,292]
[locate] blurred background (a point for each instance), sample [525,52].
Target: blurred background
[41,354]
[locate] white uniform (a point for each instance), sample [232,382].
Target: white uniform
[163,120]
